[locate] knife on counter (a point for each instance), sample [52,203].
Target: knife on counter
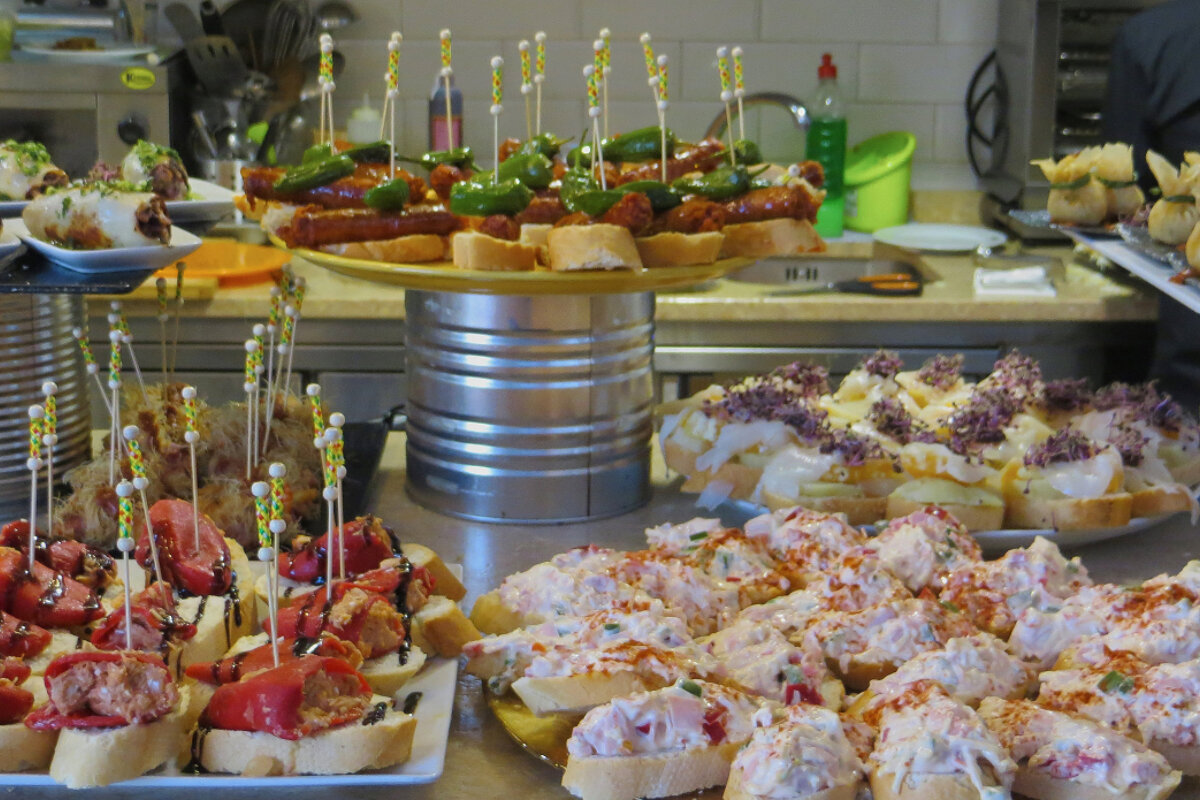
[894,284]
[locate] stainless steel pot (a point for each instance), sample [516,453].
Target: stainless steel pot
[529,409]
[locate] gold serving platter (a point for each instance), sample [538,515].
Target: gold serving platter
[443,276]
[544,738]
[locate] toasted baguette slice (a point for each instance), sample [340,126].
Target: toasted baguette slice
[22,748]
[577,693]
[1040,786]
[345,749]
[663,775]
[474,250]
[534,234]
[220,620]
[772,237]
[858,508]
[61,642]
[446,583]
[924,786]
[973,506]
[734,790]
[1106,511]
[1160,500]
[599,246]
[673,249]
[490,615]
[440,627]
[412,249]
[91,757]
[1185,758]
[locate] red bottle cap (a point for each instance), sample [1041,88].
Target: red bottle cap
[827,69]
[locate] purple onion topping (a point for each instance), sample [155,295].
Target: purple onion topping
[981,420]
[1066,446]
[882,363]
[1018,375]
[1068,394]
[890,418]
[941,371]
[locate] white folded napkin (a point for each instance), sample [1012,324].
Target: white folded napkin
[1024,281]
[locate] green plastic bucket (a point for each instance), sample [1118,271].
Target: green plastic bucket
[878,172]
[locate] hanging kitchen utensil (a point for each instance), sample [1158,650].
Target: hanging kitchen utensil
[291,29]
[184,21]
[245,22]
[334,15]
[210,19]
[217,63]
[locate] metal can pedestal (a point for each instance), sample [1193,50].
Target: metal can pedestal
[529,408]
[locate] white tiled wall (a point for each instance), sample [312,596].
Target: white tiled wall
[903,64]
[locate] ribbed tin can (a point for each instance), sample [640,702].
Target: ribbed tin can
[36,346]
[529,409]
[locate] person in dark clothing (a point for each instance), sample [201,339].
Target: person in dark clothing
[1153,103]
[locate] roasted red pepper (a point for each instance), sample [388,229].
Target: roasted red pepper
[203,571]
[234,668]
[274,701]
[136,687]
[15,702]
[154,623]
[368,621]
[46,597]
[21,639]
[366,542]
[88,565]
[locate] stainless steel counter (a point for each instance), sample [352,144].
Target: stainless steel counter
[481,761]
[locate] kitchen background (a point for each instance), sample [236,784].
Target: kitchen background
[903,64]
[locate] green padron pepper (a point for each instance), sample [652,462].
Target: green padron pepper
[374,153]
[643,144]
[532,169]
[747,152]
[318,152]
[593,202]
[461,157]
[315,173]
[545,143]
[390,196]
[662,197]
[720,184]
[472,199]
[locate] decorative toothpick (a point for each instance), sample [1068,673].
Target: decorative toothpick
[258,330]
[273,321]
[294,318]
[605,69]
[34,463]
[125,544]
[447,71]
[336,444]
[179,268]
[325,81]
[160,288]
[589,75]
[117,319]
[739,90]
[89,361]
[391,80]
[276,526]
[664,96]
[651,66]
[266,554]
[726,96]
[496,110]
[137,465]
[248,381]
[526,86]
[114,385]
[50,439]
[329,493]
[313,390]
[191,435]
[539,77]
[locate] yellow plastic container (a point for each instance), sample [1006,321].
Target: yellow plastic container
[878,173]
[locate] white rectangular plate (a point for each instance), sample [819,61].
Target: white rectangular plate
[211,204]
[120,259]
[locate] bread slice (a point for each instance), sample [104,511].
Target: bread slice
[772,237]
[973,506]
[578,693]
[446,583]
[1039,785]
[1106,511]
[345,749]
[90,757]
[440,627]
[220,620]
[1158,500]
[599,246]
[534,234]
[23,749]
[858,508]
[413,249]
[923,786]
[491,615]
[474,250]
[61,642]
[1185,758]
[661,775]
[734,790]
[673,249]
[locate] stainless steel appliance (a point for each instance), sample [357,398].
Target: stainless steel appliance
[1051,71]
[84,111]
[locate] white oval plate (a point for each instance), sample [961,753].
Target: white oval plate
[940,238]
[122,259]
[211,202]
